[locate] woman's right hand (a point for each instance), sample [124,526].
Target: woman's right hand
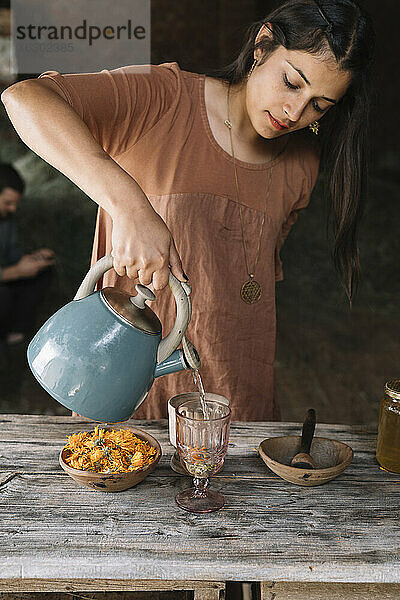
[143,247]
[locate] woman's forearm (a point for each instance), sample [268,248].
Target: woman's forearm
[53,130]
[141,243]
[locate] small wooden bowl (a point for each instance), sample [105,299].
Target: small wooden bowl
[114,482]
[331,457]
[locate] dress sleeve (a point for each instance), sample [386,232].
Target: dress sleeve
[120,106]
[311,168]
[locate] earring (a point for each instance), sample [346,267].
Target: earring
[314,127]
[252,68]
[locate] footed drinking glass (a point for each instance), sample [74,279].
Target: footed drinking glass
[202,444]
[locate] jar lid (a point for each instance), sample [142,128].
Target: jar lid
[140,318]
[392,388]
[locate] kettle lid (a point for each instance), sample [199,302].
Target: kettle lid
[120,303]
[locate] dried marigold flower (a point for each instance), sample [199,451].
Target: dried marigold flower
[108,451]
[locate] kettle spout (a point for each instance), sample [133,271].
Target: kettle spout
[179,360]
[172,364]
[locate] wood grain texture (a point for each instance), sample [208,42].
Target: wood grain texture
[142,595]
[280,590]
[210,590]
[269,530]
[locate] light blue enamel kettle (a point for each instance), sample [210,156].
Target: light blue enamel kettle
[99,354]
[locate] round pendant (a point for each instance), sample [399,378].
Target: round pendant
[251,291]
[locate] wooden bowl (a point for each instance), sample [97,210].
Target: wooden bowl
[330,456]
[114,482]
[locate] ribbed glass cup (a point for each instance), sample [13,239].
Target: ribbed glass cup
[202,444]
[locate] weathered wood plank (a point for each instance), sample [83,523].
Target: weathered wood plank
[108,585]
[281,590]
[264,529]
[14,458]
[141,595]
[207,594]
[50,526]
[249,428]
[35,448]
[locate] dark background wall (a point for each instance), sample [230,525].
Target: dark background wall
[328,356]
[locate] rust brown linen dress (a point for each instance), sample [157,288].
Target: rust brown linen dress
[155,126]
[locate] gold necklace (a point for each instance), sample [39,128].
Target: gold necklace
[251,289]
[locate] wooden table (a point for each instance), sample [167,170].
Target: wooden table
[339,540]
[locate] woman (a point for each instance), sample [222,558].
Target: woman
[214,170]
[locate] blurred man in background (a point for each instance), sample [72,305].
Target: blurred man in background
[23,277]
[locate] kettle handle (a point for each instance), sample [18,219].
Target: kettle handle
[92,276]
[181,293]
[171,341]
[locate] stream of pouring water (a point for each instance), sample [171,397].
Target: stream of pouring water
[198,382]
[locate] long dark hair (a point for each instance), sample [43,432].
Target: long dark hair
[341,27]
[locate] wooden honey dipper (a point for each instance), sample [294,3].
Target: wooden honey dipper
[303,460]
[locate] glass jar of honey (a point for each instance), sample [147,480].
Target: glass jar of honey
[388,447]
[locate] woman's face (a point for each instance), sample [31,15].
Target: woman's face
[291,90]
